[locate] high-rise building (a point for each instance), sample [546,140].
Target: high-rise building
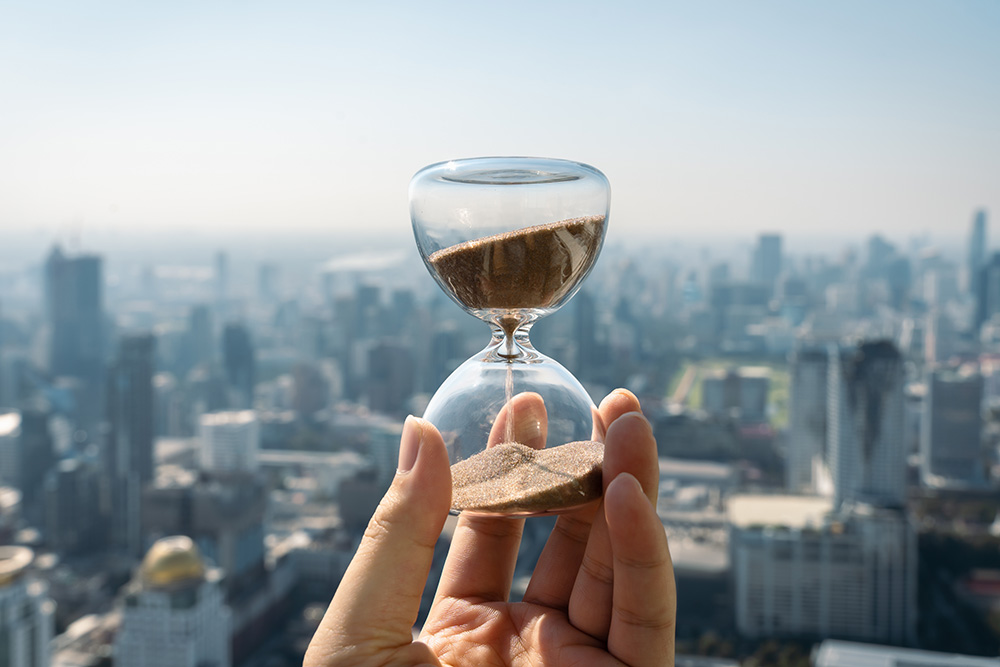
[806,464]
[391,377]
[73,522]
[74,310]
[951,433]
[173,611]
[977,250]
[200,336]
[229,441]
[988,291]
[802,570]
[239,363]
[27,617]
[865,425]
[129,446]
[26,456]
[766,265]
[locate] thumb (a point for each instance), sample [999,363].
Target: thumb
[378,599]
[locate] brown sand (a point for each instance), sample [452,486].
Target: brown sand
[510,478]
[532,267]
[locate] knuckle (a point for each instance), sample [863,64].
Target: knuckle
[598,570]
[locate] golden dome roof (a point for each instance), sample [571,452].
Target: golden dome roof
[13,562]
[170,561]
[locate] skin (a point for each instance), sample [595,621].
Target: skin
[602,592]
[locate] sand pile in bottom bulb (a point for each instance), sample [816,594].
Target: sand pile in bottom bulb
[510,478]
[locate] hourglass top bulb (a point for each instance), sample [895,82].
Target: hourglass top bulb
[532,267]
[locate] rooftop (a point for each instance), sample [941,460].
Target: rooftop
[13,562]
[778,510]
[9,423]
[835,653]
[235,417]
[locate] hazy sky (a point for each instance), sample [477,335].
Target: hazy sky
[714,116]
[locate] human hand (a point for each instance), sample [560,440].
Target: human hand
[602,591]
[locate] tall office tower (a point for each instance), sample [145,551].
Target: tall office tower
[880,252]
[222,513]
[807,467]
[74,310]
[951,433]
[239,364]
[391,377]
[766,266]
[310,389]
[26,456]
[129,447]
[447,352]
[27,617]
[230,441]
[977,250]
[73,523]
[899,278]
[173,612]
[865,425]
[585,328]
[200,336]
[988,291]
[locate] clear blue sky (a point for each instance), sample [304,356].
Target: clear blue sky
[715,116]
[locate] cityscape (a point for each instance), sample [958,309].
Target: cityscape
[191,448]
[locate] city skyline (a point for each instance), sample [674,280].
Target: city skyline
[782,117]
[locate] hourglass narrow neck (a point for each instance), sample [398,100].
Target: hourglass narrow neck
[511,345]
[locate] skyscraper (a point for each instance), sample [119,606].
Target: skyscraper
[766,265]
[26,455]
[977,250]
[987,291]
[129,447]
[951,433]
[865,427]
[239,364]
[74,310]
[806,466]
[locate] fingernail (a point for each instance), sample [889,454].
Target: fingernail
[528,422]
[409,444]
[637,417]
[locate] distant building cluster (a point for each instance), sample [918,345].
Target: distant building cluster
[189,455]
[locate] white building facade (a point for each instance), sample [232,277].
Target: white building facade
[852,575]
[173,612]
[26,614]
[230,441]
[806,468]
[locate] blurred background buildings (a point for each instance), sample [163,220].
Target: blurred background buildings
[828,430]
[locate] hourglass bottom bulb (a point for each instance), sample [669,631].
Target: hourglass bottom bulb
[513,479]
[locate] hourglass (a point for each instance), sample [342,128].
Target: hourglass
[510,239]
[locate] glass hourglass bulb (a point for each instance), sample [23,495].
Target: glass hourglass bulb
[510,240]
